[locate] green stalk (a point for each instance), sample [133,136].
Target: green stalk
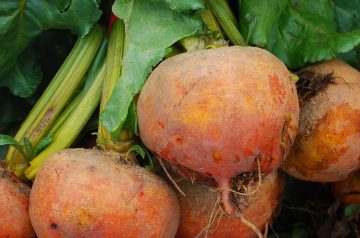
[294,77]
[210,21]
[56,96]
[227,20]
[113,71]
[73,125]
[64,115]
[91,75]
[213,40]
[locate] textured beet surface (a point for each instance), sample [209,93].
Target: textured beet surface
[217,111]
[14,207]
[327,148]
[86,193]
[200,201]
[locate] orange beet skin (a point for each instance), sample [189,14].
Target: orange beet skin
[196,208]
[216,111]
[87,193]
[327,148]
[14,207]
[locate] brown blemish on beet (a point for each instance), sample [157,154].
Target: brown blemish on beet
[161,124]
[91,168]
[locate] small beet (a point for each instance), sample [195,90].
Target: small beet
[88,193]
[199,205]
[14,207]
[326,148]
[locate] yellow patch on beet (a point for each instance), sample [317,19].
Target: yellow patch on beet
[201,113]
[217,157]
[328,142]
[84,216]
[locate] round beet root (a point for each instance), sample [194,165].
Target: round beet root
[199,209]
[14,207]
[87,193]
[326,148]
[218,111]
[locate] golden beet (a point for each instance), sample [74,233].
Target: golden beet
[14,207]
[199,205]
[88,193]
[219,111]
[327,148]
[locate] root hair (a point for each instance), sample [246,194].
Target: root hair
[170,178]
[217,211]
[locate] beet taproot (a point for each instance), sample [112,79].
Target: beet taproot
[199,208]
[219,111]
[14,207]
[88,193]
[326,148]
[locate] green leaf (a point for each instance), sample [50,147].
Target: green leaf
[254,16]
[144,153]
[351,209]
[21,21]
[8,140]
[25,76]
[43,143]
[149,166]
[352,57]
[138,149]
[151,27]
[301,31]
[348,18]
[347,14]
[131,119]
[185,5]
